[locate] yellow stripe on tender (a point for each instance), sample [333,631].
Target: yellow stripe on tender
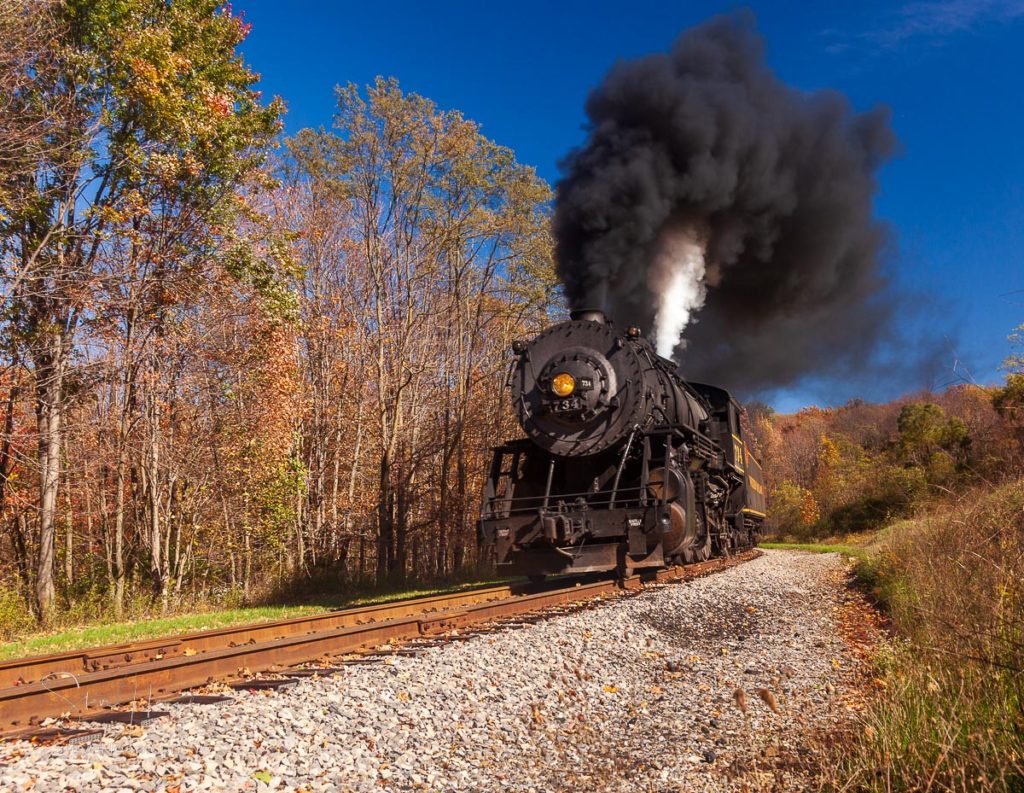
[750,511]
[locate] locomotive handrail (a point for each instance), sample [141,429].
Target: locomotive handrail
[547,486]
[622,464]
[515,505]
[582,493]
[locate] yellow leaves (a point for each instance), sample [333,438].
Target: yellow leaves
[188,652]
[828,452]
[403,696]
[810,512]
[610,689]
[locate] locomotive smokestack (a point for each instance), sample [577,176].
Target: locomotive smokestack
[591,314]
[732,207]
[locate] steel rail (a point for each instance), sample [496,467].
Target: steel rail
[93,659]
[24,706]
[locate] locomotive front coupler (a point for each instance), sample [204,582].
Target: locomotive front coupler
[557,525]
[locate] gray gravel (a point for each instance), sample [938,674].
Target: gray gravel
[670,690]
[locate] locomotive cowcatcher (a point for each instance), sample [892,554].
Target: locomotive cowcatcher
[624,465]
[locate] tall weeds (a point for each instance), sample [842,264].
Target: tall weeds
[952,718]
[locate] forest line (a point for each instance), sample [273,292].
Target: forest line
[233,359]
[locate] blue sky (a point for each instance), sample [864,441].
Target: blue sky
[951,71]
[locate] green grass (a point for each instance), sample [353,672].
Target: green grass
[853,551]
[99,634]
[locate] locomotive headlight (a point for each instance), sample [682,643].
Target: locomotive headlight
[563,384]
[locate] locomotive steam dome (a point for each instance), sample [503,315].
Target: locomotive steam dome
[578,386]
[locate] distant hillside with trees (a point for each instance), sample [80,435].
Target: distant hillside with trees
[834,471]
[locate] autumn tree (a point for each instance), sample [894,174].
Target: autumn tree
[162,126]
[223,375]
[1009,400]
[449,235]
[931,440]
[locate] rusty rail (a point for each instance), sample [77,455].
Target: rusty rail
[83,682]
[20,671]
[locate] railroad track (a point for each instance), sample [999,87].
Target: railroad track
[89,685]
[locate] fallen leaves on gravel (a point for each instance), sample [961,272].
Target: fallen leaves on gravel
[741,699]
[769,699]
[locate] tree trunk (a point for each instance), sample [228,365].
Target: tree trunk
[49,409]
[21,547]
[459,550]
[401,532]
[128,401]
[69,537]
[157,568]
[444,497]
[385,519]
[119,507]
[18,527]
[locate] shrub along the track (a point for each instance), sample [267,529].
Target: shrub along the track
[951,717]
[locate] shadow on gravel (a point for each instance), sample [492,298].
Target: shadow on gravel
[734,621]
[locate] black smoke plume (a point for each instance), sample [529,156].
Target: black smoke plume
[776,182]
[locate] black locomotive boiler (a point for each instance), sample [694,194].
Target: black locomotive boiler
[624,465]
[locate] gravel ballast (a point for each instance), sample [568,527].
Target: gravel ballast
[716,685]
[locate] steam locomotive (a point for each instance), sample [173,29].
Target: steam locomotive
[624,465]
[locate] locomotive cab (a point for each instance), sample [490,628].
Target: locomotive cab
[747,505]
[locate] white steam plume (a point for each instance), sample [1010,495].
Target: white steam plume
[677,280]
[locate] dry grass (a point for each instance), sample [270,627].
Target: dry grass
[952,717]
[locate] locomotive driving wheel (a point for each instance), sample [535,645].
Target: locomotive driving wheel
[680,536]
